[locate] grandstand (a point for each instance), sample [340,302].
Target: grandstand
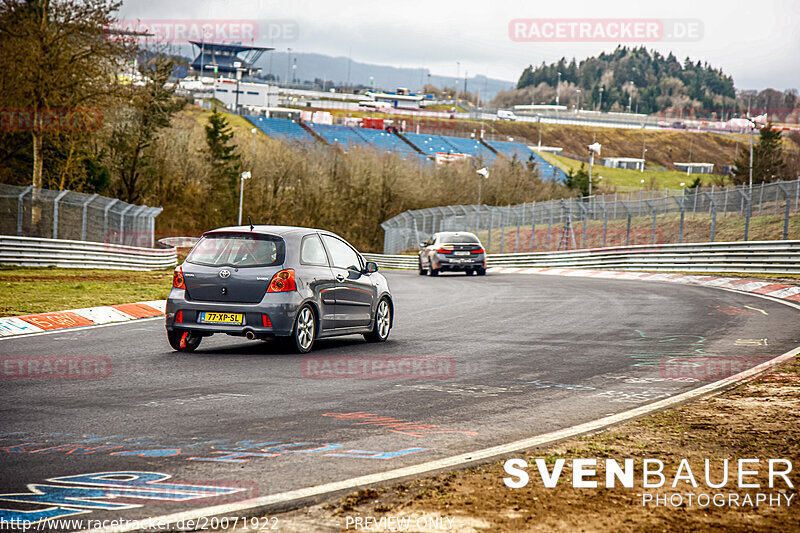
[346,136]
[283,130]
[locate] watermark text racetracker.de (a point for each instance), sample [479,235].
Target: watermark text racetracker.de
[54,367]
[386,367]
[715,482]
[604,30]
[209,30]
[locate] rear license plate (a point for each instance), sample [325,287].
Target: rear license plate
[461,253]
[207,317]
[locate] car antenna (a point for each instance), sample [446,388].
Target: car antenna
[251,222]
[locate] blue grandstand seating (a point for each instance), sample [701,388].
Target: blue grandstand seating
[385,141]
[523,153]
[281,129]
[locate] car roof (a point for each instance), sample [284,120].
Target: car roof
[266,230]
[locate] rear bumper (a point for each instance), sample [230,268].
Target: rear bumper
[447,263]
[281,308]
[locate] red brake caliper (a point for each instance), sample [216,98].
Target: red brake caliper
[183,339]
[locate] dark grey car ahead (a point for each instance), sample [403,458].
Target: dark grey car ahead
[451,251]
[294,284]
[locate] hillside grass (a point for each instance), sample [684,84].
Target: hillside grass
[625,180]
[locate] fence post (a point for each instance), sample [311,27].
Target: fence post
[746,198]
[489,238]
[761,199]
[681,204]
[653,212]
[55,212]
[105,219]
[533,226]
[786,195]
[502,229]
[549,224]
[584,216]
[725,205]
[605,224]
[20,209]
[83,218]
[712,206]
[122,221]
[628,231]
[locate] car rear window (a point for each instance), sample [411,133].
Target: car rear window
[238,250]
[458,238]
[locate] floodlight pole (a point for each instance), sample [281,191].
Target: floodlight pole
[591,163]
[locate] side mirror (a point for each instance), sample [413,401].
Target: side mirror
[423,244]
[371,267]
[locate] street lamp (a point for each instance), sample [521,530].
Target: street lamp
[630,96]
[593,149]
[484,175]
[245,176]
[558,88]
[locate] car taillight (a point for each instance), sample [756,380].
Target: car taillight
[283,281]
[443,251]
[478,251]
[179,317]
[177,279]
[265,321]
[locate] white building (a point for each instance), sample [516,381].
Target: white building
[695,168]
[255,96]
[632,163]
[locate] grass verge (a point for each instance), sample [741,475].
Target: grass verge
[39,290]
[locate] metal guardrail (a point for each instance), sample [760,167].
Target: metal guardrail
[754,257]
[31,251]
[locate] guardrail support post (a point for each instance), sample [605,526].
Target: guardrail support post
[55,212]
[20,209]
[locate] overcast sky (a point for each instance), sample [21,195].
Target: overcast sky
[758,43]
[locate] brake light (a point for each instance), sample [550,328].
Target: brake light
[179,317]
[283,281]
[443,251]
[265,321]
[478,251]
[177,279]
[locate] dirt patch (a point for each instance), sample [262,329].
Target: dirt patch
[756,420]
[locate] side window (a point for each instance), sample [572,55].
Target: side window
[312,252]
[342,256]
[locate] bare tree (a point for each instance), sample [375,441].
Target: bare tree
[56,55]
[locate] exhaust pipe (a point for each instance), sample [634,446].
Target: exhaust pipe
[250,335]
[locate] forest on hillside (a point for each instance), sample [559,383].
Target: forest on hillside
[643,81]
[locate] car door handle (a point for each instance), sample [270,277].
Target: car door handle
[339,277]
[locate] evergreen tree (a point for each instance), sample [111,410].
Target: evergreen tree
[578,180]
[225,161]
[768,162]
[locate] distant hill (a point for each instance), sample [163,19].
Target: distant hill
[343,71]
[647,81]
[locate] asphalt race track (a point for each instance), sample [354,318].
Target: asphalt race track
[503,357]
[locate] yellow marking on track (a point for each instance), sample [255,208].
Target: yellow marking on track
[756,309]
[750,342]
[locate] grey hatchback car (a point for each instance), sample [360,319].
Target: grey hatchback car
[293,284]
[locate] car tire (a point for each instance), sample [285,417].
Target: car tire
[383,322]
[422,271]
[481,271]
[469,272]
[304,332]
[179,344]
[433,271]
